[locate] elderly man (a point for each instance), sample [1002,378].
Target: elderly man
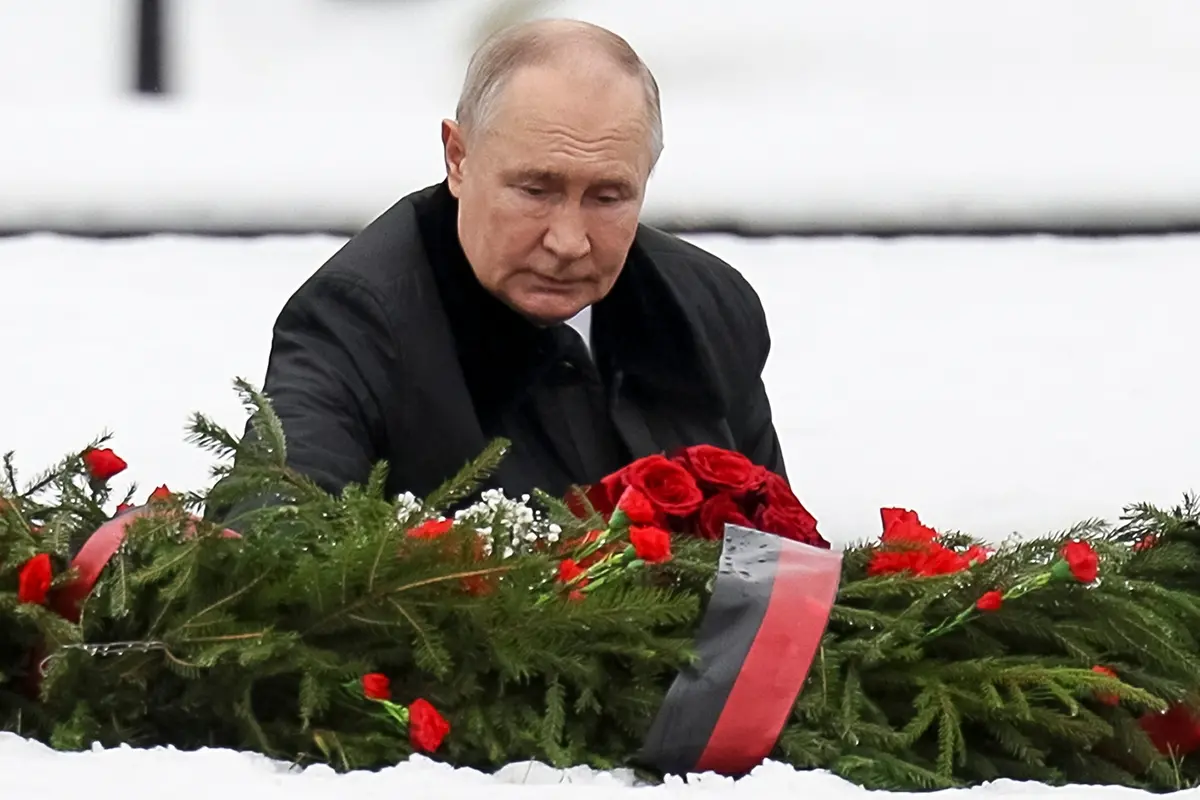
[522,298]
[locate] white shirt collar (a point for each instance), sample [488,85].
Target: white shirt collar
[582,323]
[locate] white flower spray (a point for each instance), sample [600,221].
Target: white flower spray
[510,524]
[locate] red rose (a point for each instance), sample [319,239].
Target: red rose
[667,485]
[376,686]
[33,583]
[431,529]
[637,507]
[596,496]
[1105,697]
[652,545]
[161,493]
[990,601]
[604,495]
[790,522]
[722,469]
[775,490]
[103,464]
[426,727]
[716,512]
[1081,560]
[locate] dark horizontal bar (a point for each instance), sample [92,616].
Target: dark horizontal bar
[1070,231]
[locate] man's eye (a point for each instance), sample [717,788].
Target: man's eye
[533,191]
[608,199]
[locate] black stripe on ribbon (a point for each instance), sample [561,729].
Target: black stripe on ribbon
[769,608]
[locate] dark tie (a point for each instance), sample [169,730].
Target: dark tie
[575,410]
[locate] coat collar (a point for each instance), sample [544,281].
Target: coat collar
[642,335]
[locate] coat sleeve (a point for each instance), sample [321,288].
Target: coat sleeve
[751,419]
[327,370]
[759,442]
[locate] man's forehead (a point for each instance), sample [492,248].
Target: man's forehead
[525,152]
[611,177]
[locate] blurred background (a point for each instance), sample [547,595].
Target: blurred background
[805,116]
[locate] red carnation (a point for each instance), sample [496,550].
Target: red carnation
[431,529]
[637,507]
[426,727]
[161,493]
[1174,732]
[652,545]
[889,561]
[667,485]
[33,583]
[1082,560]
[977,554]
[923,561]
[1105,697]
[123,507]
[569,570]
[721,469]
[376,686]
[716,512]
[1145,543]
[941,560]
[990,601]
[902,525]
[103,464]
[478,585]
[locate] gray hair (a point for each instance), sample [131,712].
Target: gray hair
[538,42]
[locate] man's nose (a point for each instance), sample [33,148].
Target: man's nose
[567,236]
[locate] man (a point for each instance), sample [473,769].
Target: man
[521,298]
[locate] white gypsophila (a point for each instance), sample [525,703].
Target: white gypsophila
[408,508]
[513,524]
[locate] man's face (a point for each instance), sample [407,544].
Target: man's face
[550,192]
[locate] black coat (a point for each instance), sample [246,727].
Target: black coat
[393,351]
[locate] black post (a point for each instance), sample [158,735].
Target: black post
[150,35]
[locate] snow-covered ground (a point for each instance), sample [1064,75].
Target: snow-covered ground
[995,385]
[806,115]
[29,770]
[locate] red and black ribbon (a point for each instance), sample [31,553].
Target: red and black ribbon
[761,630]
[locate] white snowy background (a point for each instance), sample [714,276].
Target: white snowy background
[996,385]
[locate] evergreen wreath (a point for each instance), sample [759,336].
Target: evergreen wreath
[356,629]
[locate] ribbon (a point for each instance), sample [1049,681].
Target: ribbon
[756,643]
[94,556]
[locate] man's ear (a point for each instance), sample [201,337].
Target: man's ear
[454,151]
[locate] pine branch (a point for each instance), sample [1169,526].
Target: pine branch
[468,479]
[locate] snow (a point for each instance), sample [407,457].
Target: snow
[995,385]
[803,116]
[30,769]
